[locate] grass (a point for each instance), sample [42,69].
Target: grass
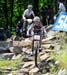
[60,55]
[13,64]
[61,58]
[9,64]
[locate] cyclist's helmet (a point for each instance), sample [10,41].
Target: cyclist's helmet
[29,6]
[36,19]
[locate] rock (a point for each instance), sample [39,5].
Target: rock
[34,70]
[49,27]
[23,70]
[57,62]
[14,57]
[13,37]
[27,58]
[32,66]
[62,72]
[51,64]
[25,43]
[6,55]
[10,74]
[17,50]
[28,64]
[57,47]
[46,46]
[48,42]
[11,49]
[48,38]
[47,74]
[24,49]
[17,57]
[4,46]
[42,53]
[49,50]
[49,59]
[52,33]
[22,43]
[15,43]
[6,69]
[44,57]
[28,42]
[8,40]
[28,51]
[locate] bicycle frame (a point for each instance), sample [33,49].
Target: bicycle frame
[36,43]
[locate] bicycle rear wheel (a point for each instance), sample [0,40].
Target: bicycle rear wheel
[36,53]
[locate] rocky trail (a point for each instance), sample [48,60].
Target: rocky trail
[15,49]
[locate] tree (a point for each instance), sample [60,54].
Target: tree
[6,13]
[12,3]
[11,9]
[36,6]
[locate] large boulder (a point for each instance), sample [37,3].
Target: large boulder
[16,50]
[4,46]
[25,43]
[6,55]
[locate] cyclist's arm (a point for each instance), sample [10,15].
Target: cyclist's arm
[24,15]
[43,29]
[58,12]
[33,14]
[60,9]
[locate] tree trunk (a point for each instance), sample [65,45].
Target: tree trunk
[36,7]
[20,9]
[12,3]
[6,13]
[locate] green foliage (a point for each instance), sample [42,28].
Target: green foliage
[9,63]
[60,56]
[18,7]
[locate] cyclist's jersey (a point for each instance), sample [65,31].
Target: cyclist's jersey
[29,14]
[62,7]
[37,28]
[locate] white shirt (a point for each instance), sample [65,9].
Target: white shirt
[62,7]
[28,13]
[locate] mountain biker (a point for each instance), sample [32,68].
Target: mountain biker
[28,14]
[36,27]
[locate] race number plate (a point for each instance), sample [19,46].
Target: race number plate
[36,37]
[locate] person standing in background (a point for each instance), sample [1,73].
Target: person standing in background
[61,8]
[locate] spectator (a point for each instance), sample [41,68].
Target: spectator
[44,15]
[61,7]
